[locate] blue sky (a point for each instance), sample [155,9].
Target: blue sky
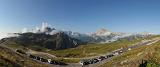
[81,15]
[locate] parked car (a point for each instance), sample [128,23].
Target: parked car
[129,49]
[116,53]
[101,58]
[32,56]
[84,62]
[43,60]
[38,58]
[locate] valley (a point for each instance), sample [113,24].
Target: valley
[73,60]
[55,48]
[79,33]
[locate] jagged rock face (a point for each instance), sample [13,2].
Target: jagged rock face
[56,41]
[61,41]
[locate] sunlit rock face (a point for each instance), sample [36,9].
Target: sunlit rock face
[102,32]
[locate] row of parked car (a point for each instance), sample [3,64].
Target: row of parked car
[101,58]
[41,59]
[95,60]
[50,61]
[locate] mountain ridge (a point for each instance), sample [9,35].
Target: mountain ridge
[101,35]
[41,40]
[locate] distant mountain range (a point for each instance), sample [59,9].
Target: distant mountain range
[51,38]
[104,36]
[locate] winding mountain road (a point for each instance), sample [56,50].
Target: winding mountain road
[143,43]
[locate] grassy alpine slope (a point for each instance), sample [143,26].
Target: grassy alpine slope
[95,49]
[133,58]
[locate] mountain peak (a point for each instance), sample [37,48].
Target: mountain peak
[102,32]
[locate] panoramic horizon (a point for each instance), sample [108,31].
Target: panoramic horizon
[79,33]
[81,16]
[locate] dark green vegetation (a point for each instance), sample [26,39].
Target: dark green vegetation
[9,58]
[149,63]
[133,58]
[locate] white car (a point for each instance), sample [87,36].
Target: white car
[129,48]
[116,53]
[81,62]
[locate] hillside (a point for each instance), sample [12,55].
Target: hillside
[9,58]
[97,49]
[145,56]
[38,41]
[74,55]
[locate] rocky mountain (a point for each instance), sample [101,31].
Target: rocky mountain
[105,36]
[102,32]
[100,36]
[41,40]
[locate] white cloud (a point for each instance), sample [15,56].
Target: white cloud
[3,35]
